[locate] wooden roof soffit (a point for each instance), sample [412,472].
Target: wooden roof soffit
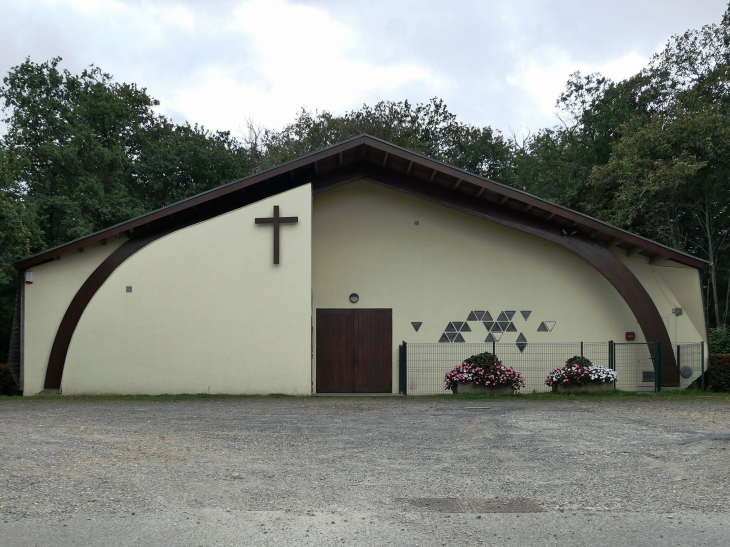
[614,242]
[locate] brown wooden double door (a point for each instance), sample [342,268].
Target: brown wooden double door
[354,350]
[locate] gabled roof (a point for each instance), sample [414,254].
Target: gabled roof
[335,162]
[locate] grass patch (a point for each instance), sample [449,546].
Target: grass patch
[163,397]
[664,395]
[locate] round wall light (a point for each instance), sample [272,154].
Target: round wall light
[354,298]
[685,372]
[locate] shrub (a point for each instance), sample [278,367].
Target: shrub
[580,371]
[717,376]
[483,369]
[7,384]
[719,339]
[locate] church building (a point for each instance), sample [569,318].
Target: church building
[306,278]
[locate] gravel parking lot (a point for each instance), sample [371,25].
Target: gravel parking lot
[365,471]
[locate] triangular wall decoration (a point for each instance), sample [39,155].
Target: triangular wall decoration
[497,336]
[459,338]
[503,325]
[487,316]
[416,325]
[510,328]
[490,338]
[465,328]
[472,317]
[510,314]
[521,342]
[525,315]
[450,328]
[542,327]
[496,327]
[489,325]
[450,336]
[502,317]
[550,325]
[443,339]
[457,325]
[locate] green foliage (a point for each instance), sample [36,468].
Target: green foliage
[577,360]
[717,376]
[485,359]
[719,338]
[429,129]
[7,384]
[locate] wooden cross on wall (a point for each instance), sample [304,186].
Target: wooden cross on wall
[276,220]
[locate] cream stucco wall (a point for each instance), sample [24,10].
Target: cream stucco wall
[46,300]
[673,285]
[432,264]
[208,311]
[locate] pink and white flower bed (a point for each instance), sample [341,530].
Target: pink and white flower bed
[579,371]
[483,369]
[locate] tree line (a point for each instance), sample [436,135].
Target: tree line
[650,154]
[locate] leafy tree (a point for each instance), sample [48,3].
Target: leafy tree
[15,240]
[427,128]
[668,175]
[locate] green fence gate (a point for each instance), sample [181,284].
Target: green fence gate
[638,365]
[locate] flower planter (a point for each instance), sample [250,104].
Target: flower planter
[462,387]
[585,388]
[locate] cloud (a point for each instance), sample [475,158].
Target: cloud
[298,56]
[221,62]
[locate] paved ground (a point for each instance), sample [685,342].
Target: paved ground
[357,471]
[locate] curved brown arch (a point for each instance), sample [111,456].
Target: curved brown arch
[62,341]
[602,259]
[598,256]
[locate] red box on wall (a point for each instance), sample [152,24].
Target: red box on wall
[630,336]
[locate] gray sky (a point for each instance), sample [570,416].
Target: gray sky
[220,62]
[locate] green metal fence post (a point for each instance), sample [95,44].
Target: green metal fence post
[402,369]
[702,360]
[657,366]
